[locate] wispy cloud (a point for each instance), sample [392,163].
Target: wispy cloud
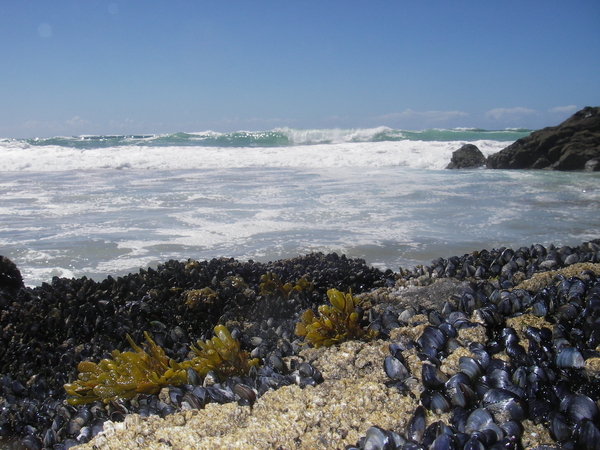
[267,121]
[77,122]
[336,118]
[428,116]
[504,113]
[39,124]
[126,123]
[39,128]
[563,109]
[254,122]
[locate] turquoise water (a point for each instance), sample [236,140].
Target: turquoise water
[281,137]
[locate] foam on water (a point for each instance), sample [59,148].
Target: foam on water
[100,205]
[279,137]
[104,221]
[414,154]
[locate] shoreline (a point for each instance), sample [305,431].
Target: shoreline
[349,368]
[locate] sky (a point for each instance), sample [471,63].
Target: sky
[152,67]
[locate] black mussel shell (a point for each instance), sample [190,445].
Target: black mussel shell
[504,405]
[470,367]
[395,369]
[432,377]
[478,419]
[570,358]
[431,338]
[416,425]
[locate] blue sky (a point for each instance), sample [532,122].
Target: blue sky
[126,67]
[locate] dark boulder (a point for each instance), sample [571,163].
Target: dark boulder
[10,275]
[572,145]
[466,157]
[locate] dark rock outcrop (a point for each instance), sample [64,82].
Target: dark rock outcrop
[466,157]
[10,275]
[572,145]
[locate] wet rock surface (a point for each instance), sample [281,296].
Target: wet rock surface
[572,145]
[10,276]
[484,331]
[466,157]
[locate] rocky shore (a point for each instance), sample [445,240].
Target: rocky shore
[572,145]
[460,342]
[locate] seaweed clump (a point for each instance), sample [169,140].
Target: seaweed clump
[222,354]
[272,285]
[336,323]
[194,299]
[147,371]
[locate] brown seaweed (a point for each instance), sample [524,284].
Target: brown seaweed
[336,323]
[147,370]
[271,284]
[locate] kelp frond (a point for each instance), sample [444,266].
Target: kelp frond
[271,284]
[336,323]
[147,370]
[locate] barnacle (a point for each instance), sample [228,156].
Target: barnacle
[148,370]
[336,323]
[271,284]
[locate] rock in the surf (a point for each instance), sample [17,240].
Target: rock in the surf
[572,145]
[466,157]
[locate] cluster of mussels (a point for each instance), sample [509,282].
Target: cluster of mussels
[495,361]
[47,332]
[506,266]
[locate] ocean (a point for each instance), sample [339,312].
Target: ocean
[108,205]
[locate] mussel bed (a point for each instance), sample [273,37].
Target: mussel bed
[524,353]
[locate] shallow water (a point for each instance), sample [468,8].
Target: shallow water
[108,221]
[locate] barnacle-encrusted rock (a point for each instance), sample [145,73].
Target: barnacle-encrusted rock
[540,280]
[330,415]
[49,329]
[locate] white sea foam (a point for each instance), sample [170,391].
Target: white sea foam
[414,154]
[70,212]
[335,135]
